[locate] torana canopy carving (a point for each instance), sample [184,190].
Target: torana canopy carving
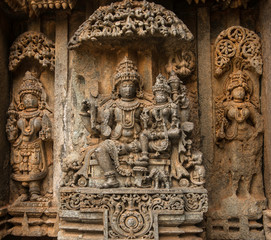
[32,45]
[33,7]
[239,48]
[133,20]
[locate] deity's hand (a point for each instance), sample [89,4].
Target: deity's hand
[220,134]
[85,106]
[45,134]
[144,116]
[174,133]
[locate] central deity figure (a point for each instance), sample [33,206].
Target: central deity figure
[120,126]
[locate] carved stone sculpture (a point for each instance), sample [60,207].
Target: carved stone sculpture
[138,144]
[125,19]
[240,133]
[239,136]
[28,126]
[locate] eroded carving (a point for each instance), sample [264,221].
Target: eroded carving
[126,19]
[131,215]
[183,62]
[239,135]
[27,128]
[32,45]
[34,7]
[146,143]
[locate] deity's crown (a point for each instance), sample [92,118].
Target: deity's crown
[238,79]
[173,78]
[31,85]
[161,84]
[126,71]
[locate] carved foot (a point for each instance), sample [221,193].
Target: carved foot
[38,198]
[111,182]
[110,185]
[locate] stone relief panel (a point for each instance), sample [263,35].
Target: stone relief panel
[239,137]
[29,129]
[131,160]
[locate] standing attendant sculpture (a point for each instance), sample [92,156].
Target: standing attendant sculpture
[240,134]
[27,128]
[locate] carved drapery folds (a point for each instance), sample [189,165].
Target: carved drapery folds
[239,133]
[32,45]
[130,20]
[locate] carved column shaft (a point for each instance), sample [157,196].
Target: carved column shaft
[61,86]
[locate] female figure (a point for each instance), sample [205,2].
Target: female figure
[27,127]
[240,132]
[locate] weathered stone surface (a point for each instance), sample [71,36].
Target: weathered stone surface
[142,115]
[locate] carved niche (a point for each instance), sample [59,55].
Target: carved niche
[239,137]
[132,169]
[29,130]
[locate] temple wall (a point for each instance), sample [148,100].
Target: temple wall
[230,44]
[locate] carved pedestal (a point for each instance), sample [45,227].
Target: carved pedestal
[3,222]
[131,213]
[33,219]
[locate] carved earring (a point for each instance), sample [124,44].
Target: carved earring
[114,95]
[139,94]
[21,106]
[42,105]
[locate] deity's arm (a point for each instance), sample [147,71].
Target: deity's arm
[12,129]
[220,133]
[46,127]
[256,118]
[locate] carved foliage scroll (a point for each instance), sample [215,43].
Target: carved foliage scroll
[130,19]
[237,47]
[33,7]
[32,45]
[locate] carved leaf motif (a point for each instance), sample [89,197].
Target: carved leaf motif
[130,18]
[237,48]
[32,45]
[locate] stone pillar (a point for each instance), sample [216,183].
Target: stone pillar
[265,32]
[61,83]
[205,87]
[4,98]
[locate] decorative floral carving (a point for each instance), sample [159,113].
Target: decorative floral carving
[237,47]
[131,214]
[70,201]
[195,202]
[183,62]
[33,7]
[32,45]
[130,19]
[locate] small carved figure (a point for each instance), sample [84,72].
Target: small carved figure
[163,117]
[27,127]
[197,175]
[120,127]
[240,133]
